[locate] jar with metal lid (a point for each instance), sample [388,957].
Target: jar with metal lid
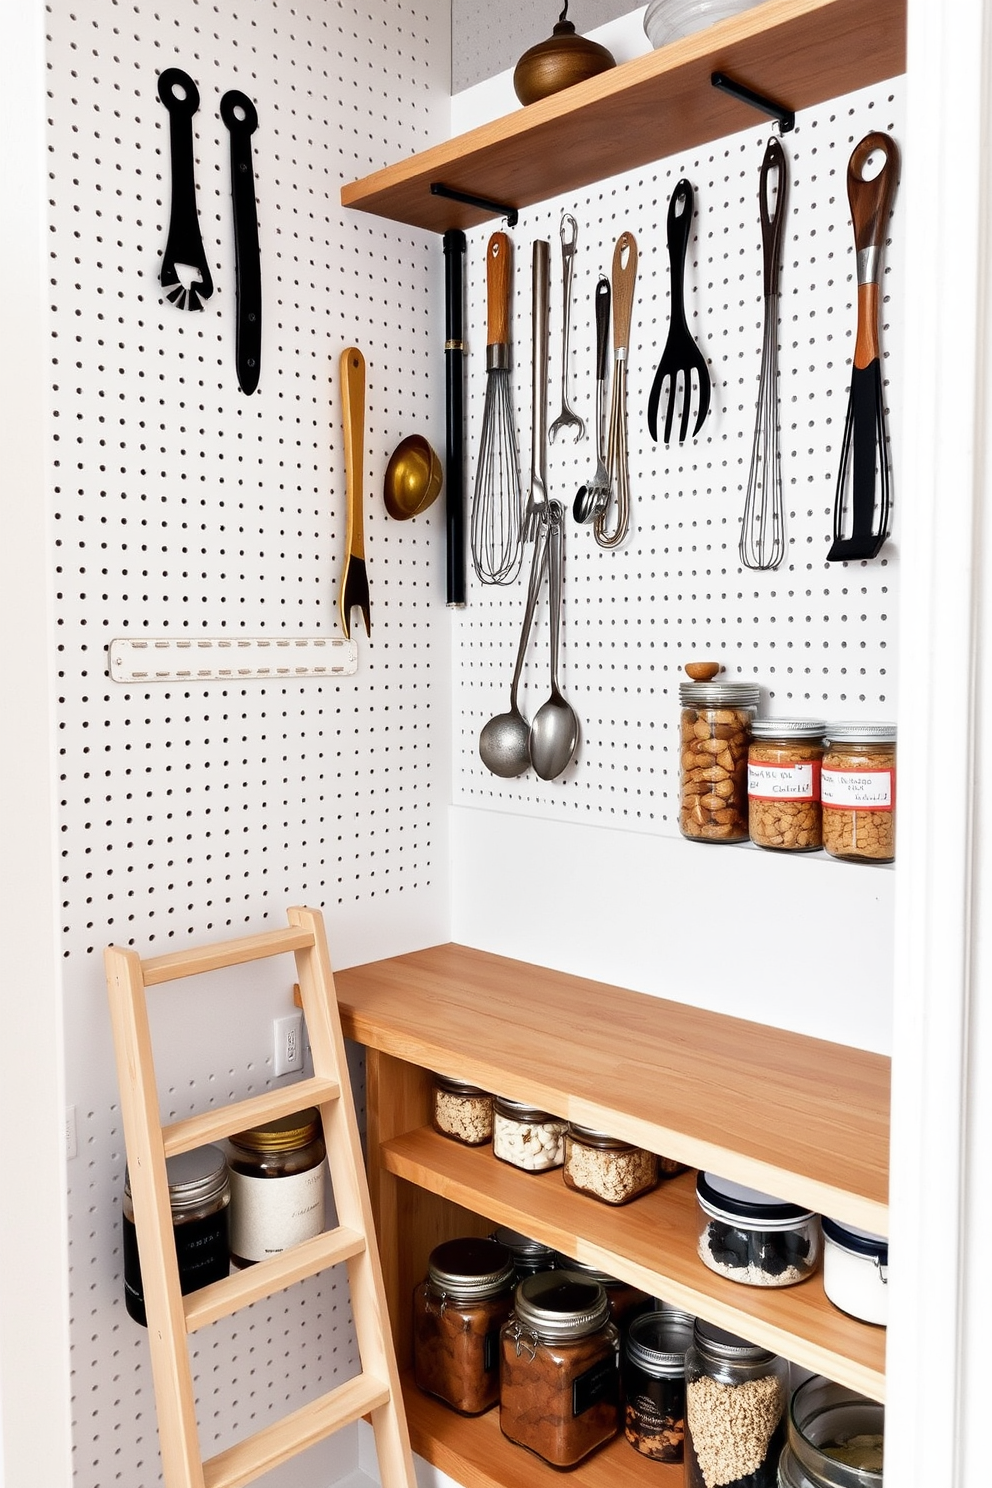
[653,1375]
[751,1237]
[606,1168]
[559,1376]
[783,784]
[715,732]
[199,1195]
[277,1186]
[736,1398]
[461,1111]
[625,1300]
[458,1311]
[856,1271]
[858,791]
[526,1136]
[835,1438]
[529,1256]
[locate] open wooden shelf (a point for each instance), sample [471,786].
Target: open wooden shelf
[798,52]
[650,1243]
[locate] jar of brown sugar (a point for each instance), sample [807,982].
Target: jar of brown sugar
[559,1370]
[783,784]
[462,1111]
[458,1310]
[715,731]
[858,791]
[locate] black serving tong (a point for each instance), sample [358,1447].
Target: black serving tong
[184,246]
[239,114]
[861,519]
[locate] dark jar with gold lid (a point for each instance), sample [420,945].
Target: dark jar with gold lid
[277,1186]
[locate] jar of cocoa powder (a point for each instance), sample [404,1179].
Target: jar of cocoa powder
[783,784]
[559,1368]
[715,732]
[458,1310]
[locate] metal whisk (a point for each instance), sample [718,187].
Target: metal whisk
[497,506]
[762,542]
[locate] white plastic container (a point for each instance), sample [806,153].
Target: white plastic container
[855,1271]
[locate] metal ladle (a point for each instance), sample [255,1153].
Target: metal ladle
[555,730]
[504,744]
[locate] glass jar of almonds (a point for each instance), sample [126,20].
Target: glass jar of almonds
[715,732]
[858,791]
[783,784]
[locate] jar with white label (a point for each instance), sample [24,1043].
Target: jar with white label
[277,1186]
[783,784]
[527,1137]
[856,1271]
[858,791]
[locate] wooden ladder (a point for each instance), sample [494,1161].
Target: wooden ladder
[171,1316]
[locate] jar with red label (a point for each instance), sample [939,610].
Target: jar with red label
[783,784]
[858,791]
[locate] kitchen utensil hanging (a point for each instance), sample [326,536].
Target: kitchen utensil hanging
[568,418]
[554,730]
[353,590]
[762,540]
[624,277]
[861,512]
[497,504]
[504,744]
[454,404]
[184,275]
[681,358]
[592,498]
[537,501]
[239,114]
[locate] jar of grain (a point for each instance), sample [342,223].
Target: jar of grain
[527,1137]
[559,1375]
[653,1375]
[715,732]
[461,1111]
[858,791]
[736,1396]
[605,1168]
[458,1311]
[783,784]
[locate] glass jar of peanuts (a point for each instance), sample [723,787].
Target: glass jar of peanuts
[736,1399]
[858,791]
[715,732]
[461,1111]
[605,1168]
[783,784]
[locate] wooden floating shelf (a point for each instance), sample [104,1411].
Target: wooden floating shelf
[798,52]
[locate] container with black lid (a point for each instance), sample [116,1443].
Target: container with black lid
[752,1237]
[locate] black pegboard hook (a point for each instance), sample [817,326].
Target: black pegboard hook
[496,209]
[786,117]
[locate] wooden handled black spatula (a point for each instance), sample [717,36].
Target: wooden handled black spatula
[354,587]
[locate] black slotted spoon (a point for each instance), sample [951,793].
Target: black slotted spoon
[681,356]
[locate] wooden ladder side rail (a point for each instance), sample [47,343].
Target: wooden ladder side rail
[351,1196]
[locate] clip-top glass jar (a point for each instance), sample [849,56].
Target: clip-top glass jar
[654,1384]
[835,1438]
[783,784]
[458,1311]
[461,1111]
[559,1376]
[858,791]
[736,1395]
[715,732]
[199,1195]
[277,1186]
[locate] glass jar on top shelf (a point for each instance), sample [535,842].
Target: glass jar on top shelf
[715,731]
[606,1168]
[461,1111]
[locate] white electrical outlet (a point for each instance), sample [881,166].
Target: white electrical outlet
[287,1044]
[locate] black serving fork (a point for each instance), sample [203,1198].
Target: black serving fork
[184,246]
[681,356]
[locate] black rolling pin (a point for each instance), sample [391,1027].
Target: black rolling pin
[454,367]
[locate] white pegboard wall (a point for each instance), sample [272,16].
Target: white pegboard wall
[817,637]
[192,811]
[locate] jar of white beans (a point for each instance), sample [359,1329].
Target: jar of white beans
[527,1137]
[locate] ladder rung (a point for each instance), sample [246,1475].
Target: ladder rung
[221,1298]
[294,1433]
[176,964]
[210,1126]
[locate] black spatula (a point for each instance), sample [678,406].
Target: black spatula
[861,512]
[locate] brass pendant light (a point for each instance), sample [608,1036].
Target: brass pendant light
[557,63]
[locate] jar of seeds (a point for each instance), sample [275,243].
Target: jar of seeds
[715,732]
[736,1399]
